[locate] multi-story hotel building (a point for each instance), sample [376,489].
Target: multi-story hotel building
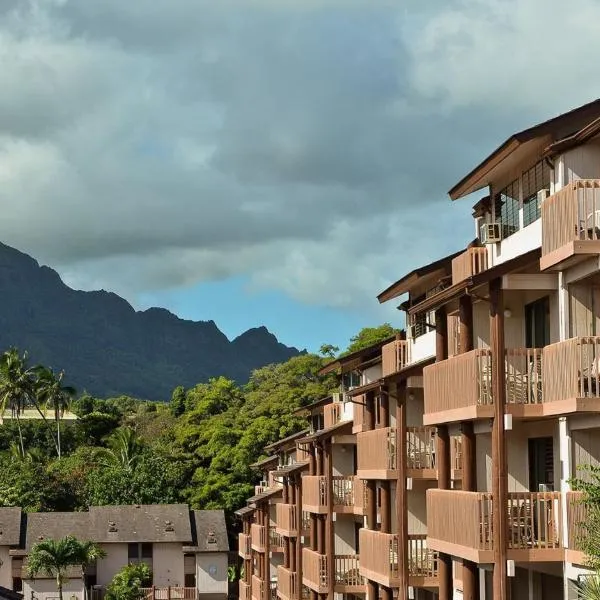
[442,468]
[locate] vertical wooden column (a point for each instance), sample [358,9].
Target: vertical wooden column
[401,492]
[329,529]
[384,407]
[443,454]
[312,470]
[371,490]
[386,496]
[499,466]
[298,479]
[266,556]
[285,493]
[470,570]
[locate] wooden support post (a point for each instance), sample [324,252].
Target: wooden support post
[465,314]
[371,497]
[386,507]
[329,527]
[470,571]
[372,590]
[384,408]
[401,492]
[369,411]
[298,480]
[499,467]
[441,334]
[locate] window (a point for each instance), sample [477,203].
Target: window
[535,179]
[350,379]
[133,552]
[506,208]
[190,580]
[419,324]
[137,552]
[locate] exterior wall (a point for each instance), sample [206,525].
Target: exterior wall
[586,450]
[415,408]
[275,560]
[344,535]
[582,162]
[116,558]
[417,507]
[5,568]
[45,589]
[167,561]
[483,447]
[481,325]
[524,240]
[211,573]
[514,326]
[371,374]
[343,460]
[422,347]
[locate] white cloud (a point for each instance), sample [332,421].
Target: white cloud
[158,143]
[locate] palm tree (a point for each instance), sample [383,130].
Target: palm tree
[124,449]
[53,394]
[16,386]
[54,557]
[588,588]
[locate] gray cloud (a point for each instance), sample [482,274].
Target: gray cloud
[158,143]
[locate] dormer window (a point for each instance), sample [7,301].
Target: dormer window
[211,538]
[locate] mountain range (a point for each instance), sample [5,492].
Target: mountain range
[107,348]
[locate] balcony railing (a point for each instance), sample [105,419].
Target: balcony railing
[245,590]
[314,493]
[576,518]
[524,375]
[469,263]
[460,382]
[287,582]
[358,410]
[332,414]
[244,545]
[346,571]
[287,519]
[572,214]
[275,538]
[394,357]
[465,519]
[422,561]
[258,588]
[349,493]
[420,448]
[258,537]
[315,574]
[376,451]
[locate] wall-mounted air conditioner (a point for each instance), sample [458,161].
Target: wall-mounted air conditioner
[491,233]
[541,196]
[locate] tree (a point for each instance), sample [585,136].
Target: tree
[52,393]
[178,401]
[16,387]
[124,449]
[328,350]
[368,336]
[54,557]
[127,584]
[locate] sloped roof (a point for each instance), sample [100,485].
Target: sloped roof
[207,525]
[10,526]
[56,525]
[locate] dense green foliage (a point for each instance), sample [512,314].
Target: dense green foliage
[370,335]
[127,584]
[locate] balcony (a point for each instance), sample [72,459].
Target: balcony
[348,579]
[315,574]
[314,494]
[349,495]
[576,516]
[332,414]
[287,520]
[287,582]
[469,263]
[571,224]
[394,357]
[244,545]
[380,561]
[358,407]
[258,588]
[245,590]
[420,452]
[459,388]
[275,540]
[258,537]
[460,524]
[376,452]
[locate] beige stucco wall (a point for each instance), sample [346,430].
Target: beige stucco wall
[5,568]
[214,582]
[167,561]
[343,459]
[343,535]
[116,558]
[45,589]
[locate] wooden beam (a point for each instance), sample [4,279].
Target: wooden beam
[499,467]
[441,335]
[532,281]
[465,315]
[401,492]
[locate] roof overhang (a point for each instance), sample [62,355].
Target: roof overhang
[364,389]
[280,444]
[246,511]
[324,434]
[264,497]
[291,469]
[313,406]
[265,462]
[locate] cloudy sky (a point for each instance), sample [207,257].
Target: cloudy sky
[271,162]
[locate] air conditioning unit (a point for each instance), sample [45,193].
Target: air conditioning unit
[412,330]
[491,233]
[541,196]
[337,397]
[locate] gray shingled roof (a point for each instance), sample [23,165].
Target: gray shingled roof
[141,523]
[10,526]
[57,525]
[205,523]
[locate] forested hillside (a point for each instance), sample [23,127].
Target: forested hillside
[197,448]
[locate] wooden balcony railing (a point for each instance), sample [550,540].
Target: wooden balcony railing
[315,574]
[465,519]
[469,263]
[244,546]
[394,357]
[287,582]
[572,214]
[314,493]
[460,382]
[245,590]
[576,518]
[169,593]
[358,413]
[346,571]
[349,492]
[258,588]
[275,538]
[420,448]
[258,536]
[376,452]
[287,519]
[332,414]
[571,369]
[456,455]
[422,561]
[379,555]
[524,375]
